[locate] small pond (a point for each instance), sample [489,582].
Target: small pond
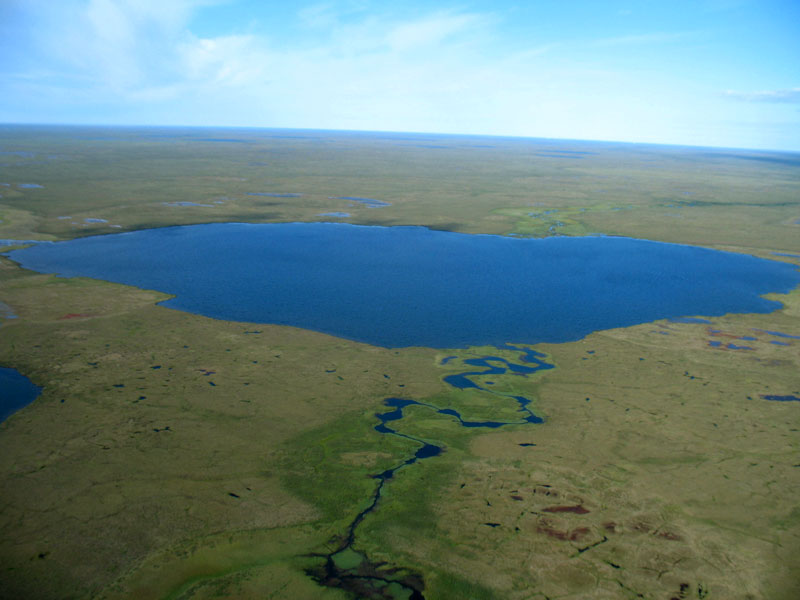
[16,391]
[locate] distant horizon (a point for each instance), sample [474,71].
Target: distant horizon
[696,73]
[395,132]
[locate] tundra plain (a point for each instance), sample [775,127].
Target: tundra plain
[175,456]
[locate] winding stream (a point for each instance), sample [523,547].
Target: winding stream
[351,570]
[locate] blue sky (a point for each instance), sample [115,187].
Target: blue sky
[705,72]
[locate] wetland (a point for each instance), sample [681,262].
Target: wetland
[174,455]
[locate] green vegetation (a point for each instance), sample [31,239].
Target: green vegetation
[659,471]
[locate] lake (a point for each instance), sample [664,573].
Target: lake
[412,286]
[16,391]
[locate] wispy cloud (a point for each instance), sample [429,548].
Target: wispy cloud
[346,67]
[117,44]
[358,64]
[329,15]
[787,96]
[352,69]
[432,30]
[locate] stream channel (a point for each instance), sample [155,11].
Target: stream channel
[349,569]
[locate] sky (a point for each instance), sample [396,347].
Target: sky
[720,73]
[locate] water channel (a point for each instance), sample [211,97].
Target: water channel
[350,569]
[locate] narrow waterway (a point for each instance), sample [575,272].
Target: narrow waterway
[350,569]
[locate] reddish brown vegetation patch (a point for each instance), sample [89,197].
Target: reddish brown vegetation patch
[718,333]
[577,509]
[74,316]
[571,536]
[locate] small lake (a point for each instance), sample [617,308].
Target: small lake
[16,391]
[412,286]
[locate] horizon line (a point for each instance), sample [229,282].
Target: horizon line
[392,132]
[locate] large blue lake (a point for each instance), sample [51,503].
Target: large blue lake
[411,286]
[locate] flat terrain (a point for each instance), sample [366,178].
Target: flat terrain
[175,456]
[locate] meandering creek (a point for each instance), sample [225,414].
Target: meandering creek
[350,569]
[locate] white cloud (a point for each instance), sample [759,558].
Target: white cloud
[235,60]
[361,70]
[431,31]
[119,45]
[341,66]
[319,16]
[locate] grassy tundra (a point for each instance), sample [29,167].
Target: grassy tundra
[175,456]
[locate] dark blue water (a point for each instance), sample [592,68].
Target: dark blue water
[775,398]
[780,334]
[16,391]
[411,286]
